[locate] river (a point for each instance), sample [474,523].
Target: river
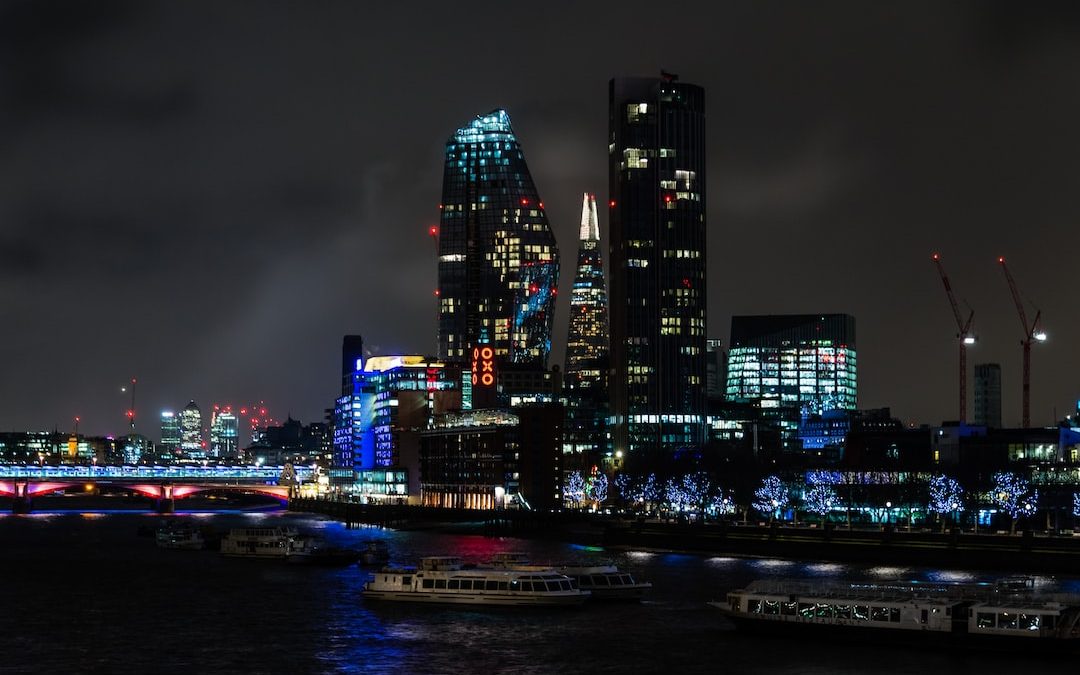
[82,592]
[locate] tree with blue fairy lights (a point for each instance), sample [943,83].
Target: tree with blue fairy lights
[1076,503]
[946,497]
[820,499]
[599,488]
[574,489]
[1013,495]
[771,497]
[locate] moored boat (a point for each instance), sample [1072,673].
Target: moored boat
[183,537]
[443,580]
[605,582]
[258,542]
[314,551]
[1007,615]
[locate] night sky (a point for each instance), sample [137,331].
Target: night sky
[208,195]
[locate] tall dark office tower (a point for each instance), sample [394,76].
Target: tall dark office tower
[498,262]
[587,348]
[656,173]
[988,395]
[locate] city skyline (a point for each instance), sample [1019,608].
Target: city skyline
[159,188]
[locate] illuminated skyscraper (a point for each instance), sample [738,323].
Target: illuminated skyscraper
[656,173]
[793,366]
[170,436]
[191,441]
[587,348]
[224,433]
[498,261]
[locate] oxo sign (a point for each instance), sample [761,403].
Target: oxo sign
[483,366]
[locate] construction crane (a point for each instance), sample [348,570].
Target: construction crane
[964,335]
[1032,333]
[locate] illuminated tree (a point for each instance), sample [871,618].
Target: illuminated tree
[1076,503]
[820,499]
[574,489]
[599,488]
[946,497]
[772,496]
[1013,495]
[722,503]
[624,484]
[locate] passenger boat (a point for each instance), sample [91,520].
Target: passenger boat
[1007,615]
[375,552]
[605,582]
[258,542]
[314,551]
[184,537]
[444,580]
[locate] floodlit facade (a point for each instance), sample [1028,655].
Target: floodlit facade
[793,366]
[656,173]
[170,436]
[587,347]
[191,440]
[224,433]
[498,261]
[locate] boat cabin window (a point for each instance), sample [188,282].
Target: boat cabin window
[806,610]
[600,580]
[466,584]
[504,586]
[843,611]
[494,586]
[984,620]
[525,586]
[885,614]
[753,607]
[1029,621]
[406,581]
[860,612]
[1006,620]
[429,583]
[566,585]
[772,607]
[788,608]
[553,586]
[824,611]
[453,584]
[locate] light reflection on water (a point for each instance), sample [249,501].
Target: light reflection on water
[140,608]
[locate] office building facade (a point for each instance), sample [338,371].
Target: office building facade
[191,438]
[987,395]
[498,261]
[224,433]
[656,170]
[793,366]
[169,449]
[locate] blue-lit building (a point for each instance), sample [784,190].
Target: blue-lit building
[656,249]
[345,430]
[793,367]
[586,378]
[498,261]
[376,438]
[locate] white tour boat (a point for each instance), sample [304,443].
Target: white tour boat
[1008,615]
[259,542]
[605,582]
[443,580]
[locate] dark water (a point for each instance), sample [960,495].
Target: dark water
[84,593]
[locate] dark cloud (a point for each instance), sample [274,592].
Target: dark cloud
[209,195]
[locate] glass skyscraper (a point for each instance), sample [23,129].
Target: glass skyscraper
[793,366]
[191,440]
[224,433]
[587,347]
[656,172]
[170,436]
[498,262]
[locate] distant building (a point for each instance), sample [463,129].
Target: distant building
[498,261]
[656,249]
[345,431]
[191,438]
[224,433]
[587,362]
[169,449]
[987,395]
[793,366]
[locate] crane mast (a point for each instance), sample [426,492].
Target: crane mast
[1032,333]
[965,337]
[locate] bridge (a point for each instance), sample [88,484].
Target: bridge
[163,484]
